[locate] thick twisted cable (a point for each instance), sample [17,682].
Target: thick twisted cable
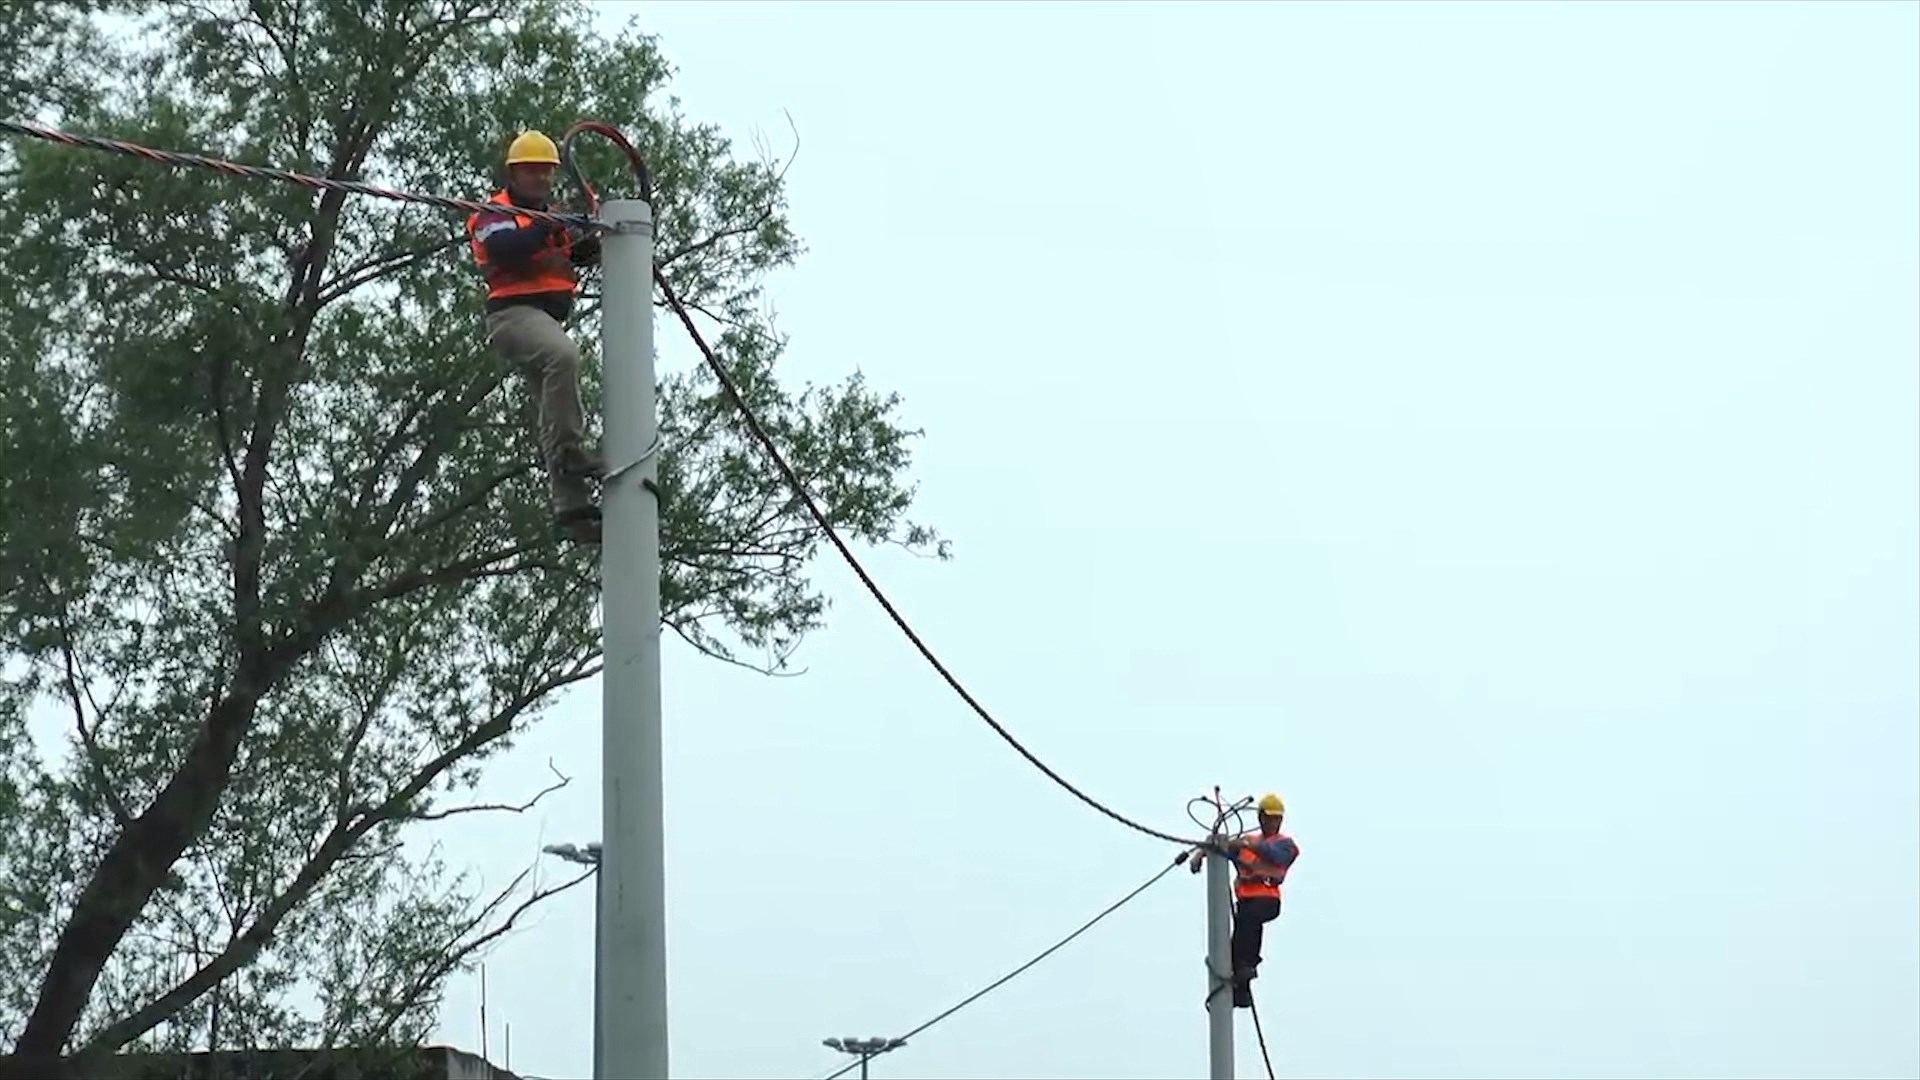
[258,172]
[642,175]
[846,553]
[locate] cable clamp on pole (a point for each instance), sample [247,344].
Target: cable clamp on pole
[1220,982]
[651,451]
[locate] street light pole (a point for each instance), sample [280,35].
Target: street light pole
[867,1049]
[590,856]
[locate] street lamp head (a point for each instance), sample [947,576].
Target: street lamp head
[573,854]
[865,1048]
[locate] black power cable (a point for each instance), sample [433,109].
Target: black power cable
[833,536]
[1257,1030]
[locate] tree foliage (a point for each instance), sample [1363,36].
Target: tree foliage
[276,547]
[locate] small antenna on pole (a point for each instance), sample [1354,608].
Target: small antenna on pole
[483,1011]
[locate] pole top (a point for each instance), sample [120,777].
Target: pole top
[627,215]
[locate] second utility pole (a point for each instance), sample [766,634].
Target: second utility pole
[631,1025]
[1219,965]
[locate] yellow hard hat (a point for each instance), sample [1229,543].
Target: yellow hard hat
[1272,804]
[531,147]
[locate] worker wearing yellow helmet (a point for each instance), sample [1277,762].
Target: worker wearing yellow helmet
[532,273]
[1261,859]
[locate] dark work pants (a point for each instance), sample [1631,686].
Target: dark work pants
[1250,918]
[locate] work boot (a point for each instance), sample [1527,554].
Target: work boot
[581,524]
[1243,986]
[584,464]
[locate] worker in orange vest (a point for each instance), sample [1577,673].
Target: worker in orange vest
[532,276]
[1261,859]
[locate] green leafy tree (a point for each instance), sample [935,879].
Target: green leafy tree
[277,548]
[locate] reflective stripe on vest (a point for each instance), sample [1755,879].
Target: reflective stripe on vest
[1258,878]
[538,278]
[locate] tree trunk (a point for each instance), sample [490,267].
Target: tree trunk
[137,865]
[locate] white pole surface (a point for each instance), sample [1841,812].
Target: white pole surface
[631,1027]
[599,999]
[1220,965]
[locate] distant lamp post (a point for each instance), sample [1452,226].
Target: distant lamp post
[866,1049]
[589,856]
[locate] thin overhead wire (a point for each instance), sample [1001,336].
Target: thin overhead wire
[1050,950]
[828,1073]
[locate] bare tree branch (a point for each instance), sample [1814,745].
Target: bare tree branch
[173,277]
[217,372]
[470,500]
[444,431]
[454,955]
[422,398]
[365,543]
[96,761]
[337,606]
[507,808]
[288,47]
[371,270]
[337,844]
[728,320]
[459,954]
[709,651]
[370,704]
[746,228]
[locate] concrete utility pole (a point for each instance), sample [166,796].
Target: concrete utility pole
[868,1049]
[1219,965]
[589,857]
[631,1020]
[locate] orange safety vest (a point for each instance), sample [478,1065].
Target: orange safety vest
[541,277]
[1255,877]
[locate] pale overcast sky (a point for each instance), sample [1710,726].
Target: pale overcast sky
[1491,426]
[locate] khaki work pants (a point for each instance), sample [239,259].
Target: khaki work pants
[549,364]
